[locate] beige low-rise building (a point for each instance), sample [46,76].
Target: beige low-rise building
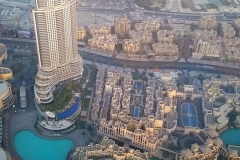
[180,30]
[112,38]
[229,43]
[122,25]
[143,36]
[163,49]
[196,35]
[131,46]
[165,36]
[210,148]
[108,148]
[102,43]
[207,22]
[228,31]
[206,49]
[136,17]
[3,52]
[149,24]
[99,30]
[81,33]
[233,54]
[204,34]
[236,23]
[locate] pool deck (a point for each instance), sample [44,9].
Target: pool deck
[190,110]
[26,121]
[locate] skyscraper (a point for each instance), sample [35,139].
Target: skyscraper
[55,30]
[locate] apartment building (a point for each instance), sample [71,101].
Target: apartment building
[131,46]
[180,30]
[210,146]
[136,17]
[81,33]
[56,41]
[104,43]
[149,24]
[122,25]
[229,43]
[214,89]
[236,23]
[163,49]
[99,30]
[233,54]
[228,31]
[207,22]
[144,37]
[108,148]
[165,36]
[3,52]
[196,35]
[204,34]
[206,49]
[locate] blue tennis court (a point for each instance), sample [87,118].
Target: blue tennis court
[189,115]
[136,112]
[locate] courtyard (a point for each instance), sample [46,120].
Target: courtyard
[190,113]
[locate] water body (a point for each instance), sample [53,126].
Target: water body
[31,147]
[231,137]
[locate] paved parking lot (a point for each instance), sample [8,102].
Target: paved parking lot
[108,4]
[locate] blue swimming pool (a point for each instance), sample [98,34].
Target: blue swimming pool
[136,112]
[31,147]
[139,85]
[189,115]
[231,137]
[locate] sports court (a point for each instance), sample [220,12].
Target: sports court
[189,115]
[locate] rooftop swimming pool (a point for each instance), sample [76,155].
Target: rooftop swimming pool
[231,137]
[136,112]
[31,147]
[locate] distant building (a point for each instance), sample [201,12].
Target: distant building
[180,30]
[206,49]
[136,17]
[122,25]
[108,148]
[104,43]
[207,22]
[99,30]
[5,73]
[228,31]
[211,147]
[196,35]
[3,52]
[6,96]
[81,33]
[165,36]
[149,24]
[131,46]
[144,37]
[236,23]
[164,49]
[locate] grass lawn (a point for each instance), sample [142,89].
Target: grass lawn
[85,104]
[61,99]
[80,124]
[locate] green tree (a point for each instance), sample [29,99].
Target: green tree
[186,81]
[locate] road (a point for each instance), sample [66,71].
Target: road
[186,16]
[118,62]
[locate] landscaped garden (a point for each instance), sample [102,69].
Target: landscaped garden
[61,99]
[85,103]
